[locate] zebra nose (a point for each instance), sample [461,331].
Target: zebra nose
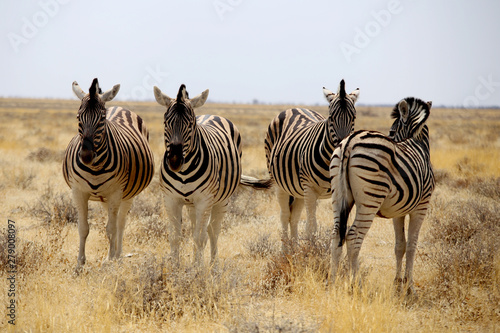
[87,151]
[175,157]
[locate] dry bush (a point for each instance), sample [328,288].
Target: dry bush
[284,271]
[486,187]
[149,202]
[43,155]
[156,289]
[148,229]
[262,247]
[467,234]
[13,176]
[465,238]
[54,208]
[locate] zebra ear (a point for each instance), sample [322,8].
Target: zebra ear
[429,103]
[354,95]
[110,94]
[328,95]
[403,110]
[78,90]
[161,98]
[199,100]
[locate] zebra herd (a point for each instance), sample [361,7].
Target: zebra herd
[308,158]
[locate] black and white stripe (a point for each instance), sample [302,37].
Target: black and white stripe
[108,161]
[299,145]
[201,169]
[387,176]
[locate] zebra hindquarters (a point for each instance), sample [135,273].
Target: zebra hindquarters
[342,202]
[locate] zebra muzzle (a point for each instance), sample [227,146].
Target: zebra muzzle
[175,157]
[87,152]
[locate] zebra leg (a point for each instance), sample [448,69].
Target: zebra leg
[285,201]
[399,249]
[336,254]
[216,217]
[310,199]
[200,233]
[81,201]
[295,211]
[174,212]
[416,219]
[356,234]
[122,219]
[113,205]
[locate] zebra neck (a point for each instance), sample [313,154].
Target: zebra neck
[194,155]
[102,150]
[329,141]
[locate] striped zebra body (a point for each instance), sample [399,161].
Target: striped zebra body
[201,169]
[108,161]
[297,131]
[390,177]
[208,171]
[298,145]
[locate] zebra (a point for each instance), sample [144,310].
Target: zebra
[388,176]
[201,169]
[109,161]
[298,145]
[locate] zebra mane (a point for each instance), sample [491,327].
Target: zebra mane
[182,95]
[341,90]
[94,89]
[416,112]
[342,95]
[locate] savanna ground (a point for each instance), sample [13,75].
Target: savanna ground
[255,288]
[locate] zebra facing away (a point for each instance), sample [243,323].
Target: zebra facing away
[201,168]
[388,176]
[108,161]
[299,144]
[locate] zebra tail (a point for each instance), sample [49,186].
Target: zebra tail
[344,192]
[258,184]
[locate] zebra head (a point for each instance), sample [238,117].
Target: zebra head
[92,118]
[410,115]
[341,113]
[180,124]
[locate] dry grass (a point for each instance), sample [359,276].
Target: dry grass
[254,288]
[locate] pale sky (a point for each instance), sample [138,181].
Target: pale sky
[281,51]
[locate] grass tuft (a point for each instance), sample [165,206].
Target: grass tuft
[285,271]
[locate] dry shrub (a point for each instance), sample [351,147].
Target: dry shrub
[149,228]
[284,271]
[487,187]
[242,203]
[149,202]
[43,155]
[156,289]
[54,208]
[262,247]
[467,232]
[465,238]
